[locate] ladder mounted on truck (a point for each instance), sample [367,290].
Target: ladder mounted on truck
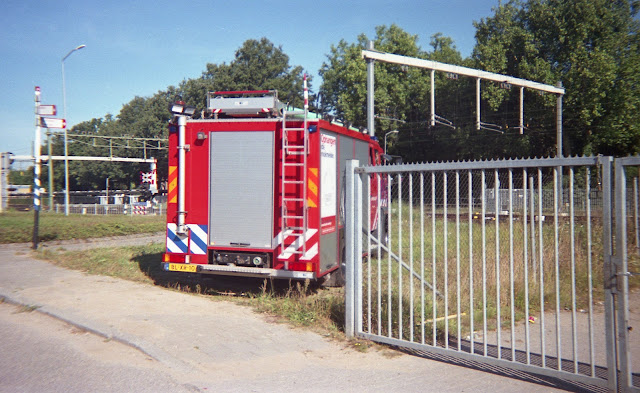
[294,167]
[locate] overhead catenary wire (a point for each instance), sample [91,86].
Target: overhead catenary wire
[117,145]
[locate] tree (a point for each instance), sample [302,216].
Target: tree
[592,46]
[400,92]
[258,65]
[444,50]
[403,94]
[21,177]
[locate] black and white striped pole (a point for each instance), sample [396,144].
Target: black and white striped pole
[36,172]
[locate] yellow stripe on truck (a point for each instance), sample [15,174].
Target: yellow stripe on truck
[312,187]
[172,196]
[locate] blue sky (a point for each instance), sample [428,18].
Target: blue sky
[137,47]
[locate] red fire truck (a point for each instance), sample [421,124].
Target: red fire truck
[257,190]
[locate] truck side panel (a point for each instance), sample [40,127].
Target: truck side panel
[331,242]
[329,199]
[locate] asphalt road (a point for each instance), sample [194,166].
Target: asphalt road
[108,334]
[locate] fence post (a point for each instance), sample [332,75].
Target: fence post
[636,213]
[349,248]
[5,168]
[357,257]
[609,274]
[620,268]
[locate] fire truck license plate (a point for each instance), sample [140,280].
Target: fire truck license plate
[179,267]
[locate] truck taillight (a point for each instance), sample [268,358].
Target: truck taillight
[301,266]
[170,257]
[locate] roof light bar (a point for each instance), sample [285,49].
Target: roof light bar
[179,108]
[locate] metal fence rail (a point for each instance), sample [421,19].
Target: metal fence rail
[521,281]
[98,209]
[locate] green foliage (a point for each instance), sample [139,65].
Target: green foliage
[402,100]
[258,65]
[589,45]
[22,177]
[303,305]
[592,46]
[120,262]
[401,93]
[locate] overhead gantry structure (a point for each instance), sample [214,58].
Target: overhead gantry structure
[372,56]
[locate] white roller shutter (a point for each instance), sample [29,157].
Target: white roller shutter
[241,189]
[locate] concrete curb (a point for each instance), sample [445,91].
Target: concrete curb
[100,330]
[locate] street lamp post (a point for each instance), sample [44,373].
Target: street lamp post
[385,139]
[66,150]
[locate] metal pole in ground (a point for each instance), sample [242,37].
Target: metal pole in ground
[610,289]
[36,173]
[636,213]
[4,180]
[66,146]
[349,249]
[370,94]
[559,154]
[50,163]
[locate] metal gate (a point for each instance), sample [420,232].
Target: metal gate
[626,264]
[511,263]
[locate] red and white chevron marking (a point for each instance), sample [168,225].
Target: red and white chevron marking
[290,243]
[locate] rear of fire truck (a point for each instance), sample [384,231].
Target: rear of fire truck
[254,188]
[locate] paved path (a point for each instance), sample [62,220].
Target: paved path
[67,359]
[215,345]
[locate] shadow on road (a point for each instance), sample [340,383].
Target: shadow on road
[217,284]
[506,372]
[302,294]
[194,282]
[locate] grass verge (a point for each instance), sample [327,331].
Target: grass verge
[296,303]
[17,227]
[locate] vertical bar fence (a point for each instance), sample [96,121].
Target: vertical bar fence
[494,261]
